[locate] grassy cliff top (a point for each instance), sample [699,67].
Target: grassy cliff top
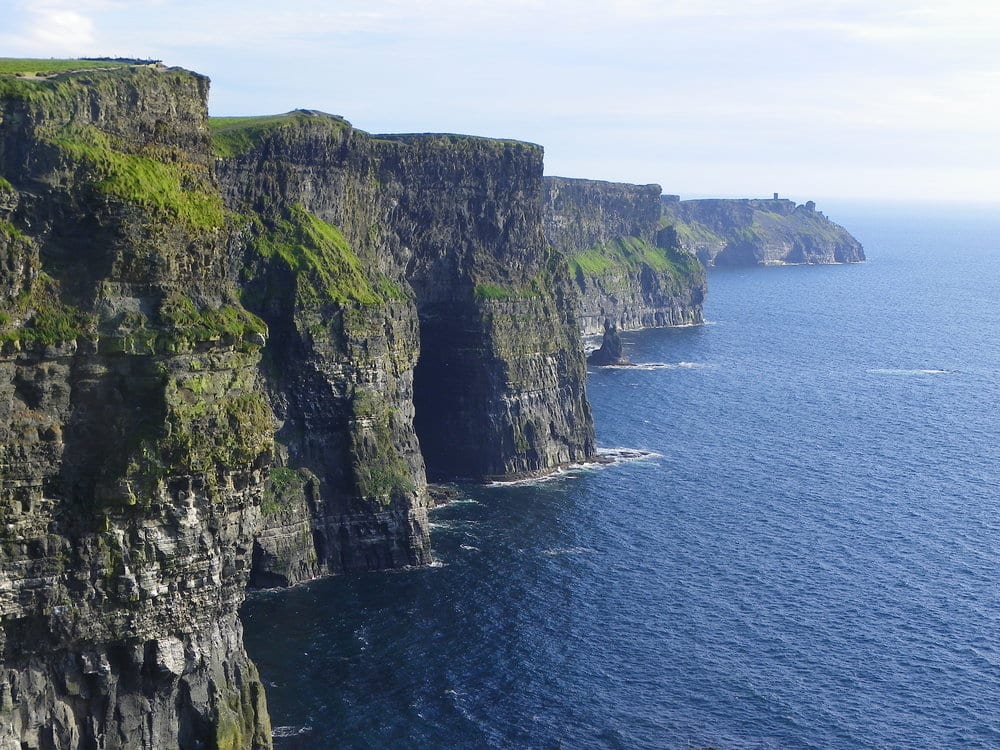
[232,136]
[23,66]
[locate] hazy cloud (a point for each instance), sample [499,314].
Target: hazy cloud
[671,91]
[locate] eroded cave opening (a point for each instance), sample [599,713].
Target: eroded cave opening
[448,381]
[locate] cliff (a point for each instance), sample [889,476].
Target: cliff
[134,435]
[748,232]
[232,356]
[445,339]
[627,272]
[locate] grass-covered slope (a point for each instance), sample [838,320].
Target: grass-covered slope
[627,272]
[758,232]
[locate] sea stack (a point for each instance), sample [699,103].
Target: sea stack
[610,352]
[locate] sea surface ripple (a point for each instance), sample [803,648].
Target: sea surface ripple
[808,557]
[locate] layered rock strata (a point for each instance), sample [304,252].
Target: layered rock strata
[748,232]
[134,434]
[448,320]
[627,272]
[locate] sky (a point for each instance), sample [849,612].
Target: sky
[839,99]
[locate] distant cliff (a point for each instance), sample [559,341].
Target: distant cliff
[746,232]
[627,271]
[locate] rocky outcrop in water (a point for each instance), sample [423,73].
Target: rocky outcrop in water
[134,434]
[611,349]
[626,270]
[748,232]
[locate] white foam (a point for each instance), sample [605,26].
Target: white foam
[559,551]
[605,457]
[469,547]
[891,371]
[647,366]
[282,732]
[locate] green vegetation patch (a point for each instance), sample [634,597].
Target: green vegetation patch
[496,291]
[46,319]
[282,488]
[38,66]
[325,266]
[232,136]
[171,188]
[5,185]
[380,471]
[215,422]
[188,325]
[10,230]
[628,252]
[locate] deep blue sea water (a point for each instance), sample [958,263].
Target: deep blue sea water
[811,562]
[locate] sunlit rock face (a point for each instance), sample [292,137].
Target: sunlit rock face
[628,271]
[752,232]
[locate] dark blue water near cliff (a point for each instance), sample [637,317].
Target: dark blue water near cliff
[812,561]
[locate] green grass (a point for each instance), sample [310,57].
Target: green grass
[10,230]
[170,189]
[495,291]
[46,319]
[282,486]
[5,185]
[326,267]
[380,471]
[188,325]
[39,66]
[627,253]
[232,136]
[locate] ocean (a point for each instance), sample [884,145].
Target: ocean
[808,556]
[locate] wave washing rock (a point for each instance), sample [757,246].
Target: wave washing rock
[628,273]
[134,434]
[749,232]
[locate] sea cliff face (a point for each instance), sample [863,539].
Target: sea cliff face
[428,323]
[747,232]
[233,358]
[134,434]
[627,272]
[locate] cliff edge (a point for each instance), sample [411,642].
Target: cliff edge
[134,432]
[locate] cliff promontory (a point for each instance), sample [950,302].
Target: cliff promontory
[747,232]
[427,331]
[134,432]
[628,273]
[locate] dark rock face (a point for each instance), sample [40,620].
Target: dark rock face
[500,384]
[610,352]
[134,435]
[625,269]
[428,339]
[339,363]
[747,232]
